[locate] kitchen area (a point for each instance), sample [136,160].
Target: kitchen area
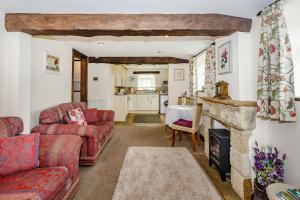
[140,89]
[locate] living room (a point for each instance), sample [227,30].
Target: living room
[107,159]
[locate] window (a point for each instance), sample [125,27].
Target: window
[200,67]
[146,82]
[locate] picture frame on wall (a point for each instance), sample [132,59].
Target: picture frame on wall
[224,58]
[52,63]
[178,74]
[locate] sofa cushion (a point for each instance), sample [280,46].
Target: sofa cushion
[55,114]
[91,115]
[184,123]
[10,126]
[110,124]
[47,182]
[76,115]
[19,153]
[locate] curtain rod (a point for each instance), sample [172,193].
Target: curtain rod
[260,12]
[204,49]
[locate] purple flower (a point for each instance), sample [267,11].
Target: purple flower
[268,166]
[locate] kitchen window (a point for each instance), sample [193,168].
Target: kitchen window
[146,82]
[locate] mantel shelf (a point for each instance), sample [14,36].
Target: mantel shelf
[234,103]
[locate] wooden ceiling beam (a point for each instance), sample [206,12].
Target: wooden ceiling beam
[137,60]
[89,25]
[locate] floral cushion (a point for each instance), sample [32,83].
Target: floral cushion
[76,115]
[183,122]
[19,153]
[91,115]
[45,182]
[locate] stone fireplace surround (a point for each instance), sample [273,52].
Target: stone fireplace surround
[240,118]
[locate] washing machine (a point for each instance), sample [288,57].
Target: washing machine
[163,103]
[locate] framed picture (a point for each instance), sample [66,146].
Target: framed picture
[224,58]
[178,74]
[52,63]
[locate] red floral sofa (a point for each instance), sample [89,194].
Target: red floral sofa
[95,135]
[57,175]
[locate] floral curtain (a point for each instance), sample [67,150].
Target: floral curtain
[193,77]
[275,90]
[210,71]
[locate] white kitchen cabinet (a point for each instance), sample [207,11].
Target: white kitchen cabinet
[148,102]
[132,102]
[120,76]
[121,107]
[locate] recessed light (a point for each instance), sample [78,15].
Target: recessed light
[166,36]
[100,43]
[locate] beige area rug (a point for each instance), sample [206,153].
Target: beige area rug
[163,173]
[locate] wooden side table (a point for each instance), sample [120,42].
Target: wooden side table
[277,187]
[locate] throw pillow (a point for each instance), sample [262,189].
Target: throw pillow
[19,153]
[91,115]
[76,115]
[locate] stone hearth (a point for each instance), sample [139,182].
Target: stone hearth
[240,118]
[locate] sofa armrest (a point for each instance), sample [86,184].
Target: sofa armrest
[67,129]
[106,115]
[61,150]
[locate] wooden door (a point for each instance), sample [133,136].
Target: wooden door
[83,59]
[84,80]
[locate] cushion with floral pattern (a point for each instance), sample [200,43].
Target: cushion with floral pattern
[76,116]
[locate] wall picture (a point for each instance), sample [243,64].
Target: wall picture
[52,63]
[178,74]
[224,58]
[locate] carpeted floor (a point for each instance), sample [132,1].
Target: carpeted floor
[99,181]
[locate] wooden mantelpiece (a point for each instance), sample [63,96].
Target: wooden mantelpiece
[234,103]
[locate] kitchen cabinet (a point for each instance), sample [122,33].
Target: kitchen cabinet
[132,102]
[148,102]
[121,107]
[120,76]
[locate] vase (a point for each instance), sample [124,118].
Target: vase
[260,192]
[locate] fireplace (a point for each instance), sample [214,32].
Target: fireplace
[219,150]
[239,117]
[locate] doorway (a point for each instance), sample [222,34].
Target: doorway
[79,76]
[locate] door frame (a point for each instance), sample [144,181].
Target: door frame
[78,56]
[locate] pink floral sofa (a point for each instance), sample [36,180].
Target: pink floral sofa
[57,175]
[95,135]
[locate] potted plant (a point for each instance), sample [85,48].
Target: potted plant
[268,167]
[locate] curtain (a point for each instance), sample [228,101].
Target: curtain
[275,90]
[193,77]
[210,71]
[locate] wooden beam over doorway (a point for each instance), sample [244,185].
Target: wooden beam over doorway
[138,60]
[89,25]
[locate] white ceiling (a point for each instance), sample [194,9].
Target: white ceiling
[241,8]
[180,47]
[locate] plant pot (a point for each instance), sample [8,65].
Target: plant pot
[260,192]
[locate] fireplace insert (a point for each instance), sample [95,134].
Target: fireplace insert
[219,150]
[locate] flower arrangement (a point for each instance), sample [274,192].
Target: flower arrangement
[268,166]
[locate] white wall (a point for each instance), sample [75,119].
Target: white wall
[100,92]
[285,136]
[49,89]
[176,88]
[15,51]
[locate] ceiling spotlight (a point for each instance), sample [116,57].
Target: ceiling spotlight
[100,43]
[166,36]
